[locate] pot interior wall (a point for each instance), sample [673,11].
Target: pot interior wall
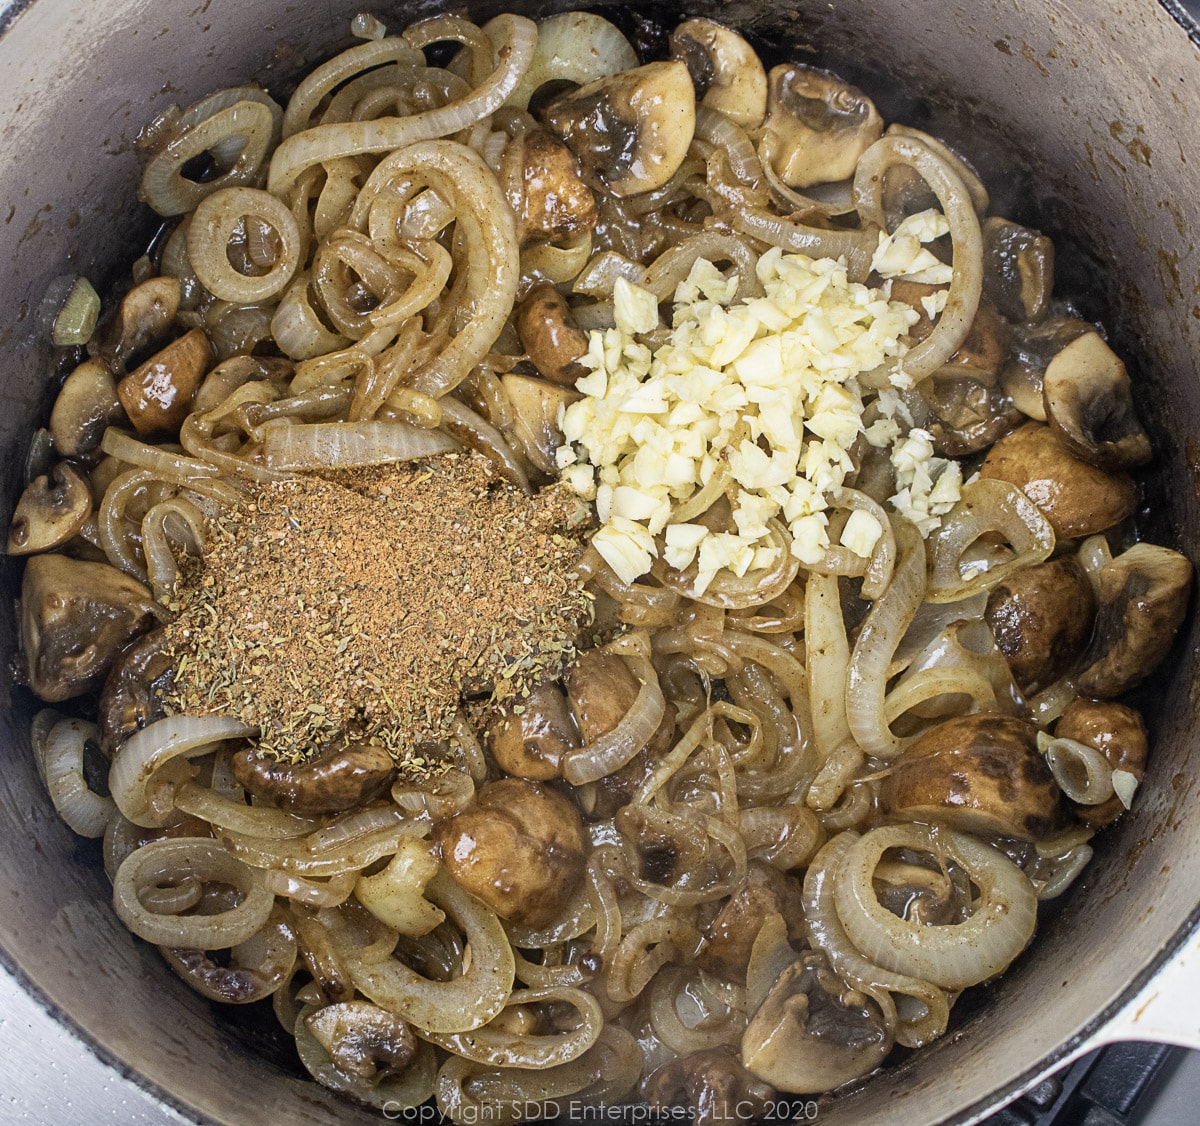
[1076,111]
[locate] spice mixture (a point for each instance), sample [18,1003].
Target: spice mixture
[362,605]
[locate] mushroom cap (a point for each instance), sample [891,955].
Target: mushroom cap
[1089,404]
[978,773]
[1143,595]
[51,510]
[549,334]
[336,780]
[985,349]
[542,181]
[531,744]
[144,315]
[131,697]
[1041,618]
[631,130]
[725,69]
[158,395]
[1077,499]
[1118,733]
[971,416]
[86,405]
[1018,269]
[817,126]
[814,1033]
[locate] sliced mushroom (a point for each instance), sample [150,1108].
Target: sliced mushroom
[363,1040]
[970,416]
[1018,269]
[714,1087]
[339,779]
[520,848]
[531,744]
[75,618]
[1077,499]
[51,510]
[542,181]
[1143,596]
[1041,618]
[158,395]
[630,130]
[1119,734]
[979,773]
[813,1033]
[132,695]
[145,315]
[537,406]
[817,126]
[1089,404]
[729,938]
[725,69]
[601,689]
[1033,347]
[982,353]
[84,409]
[550,335]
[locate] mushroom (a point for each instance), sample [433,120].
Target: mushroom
[86,405]
[630,130]
[979,773]
[1089,405]
[725,69]
[542,182]
[520,848]
[729,938]
[1041,618]
[338,779]
[145,314]
[1119,734]
[75,618]
[1143,595]
[982,353]
[537,407]
[970,416]
[817,126]
[132,695]
[363,1040]
[1033,347]
[1018,269]
[531,744]
[550,335]
[1077,499]
[814,1033]
[158,395]
[712,1084]
[51,510]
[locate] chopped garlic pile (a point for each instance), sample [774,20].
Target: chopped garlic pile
[765,391]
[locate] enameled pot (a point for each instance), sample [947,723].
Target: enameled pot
[1081,114]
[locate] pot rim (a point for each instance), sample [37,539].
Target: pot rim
[1189,21]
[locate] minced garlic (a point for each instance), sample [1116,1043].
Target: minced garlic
[765,390]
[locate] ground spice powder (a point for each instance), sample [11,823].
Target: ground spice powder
[364,605]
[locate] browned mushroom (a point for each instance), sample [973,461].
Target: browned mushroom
[1018,269]
[630,130]
[1119,734]
[145,315]
[1089,405]
[545,190]
[531,744]
[86,405]
[1033,347]
[51,510]
[132,695]
[817,126]
[814,1033]
[982,353]
[158,395]
[1077,498]
[970,416]
[339,779]
[536,407]
[1143,595]
[520,848]
[1041,618]
[712,1085]
[729,938]
[550,335]
[725,69]
[979,773]
[363,1040]
[75,619]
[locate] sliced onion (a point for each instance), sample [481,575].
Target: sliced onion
[952,956]
[599,276]
[212,228]
[466,1002]
[227,813]
[857,247]
[143,795]
[58,747]
[173,860]
[1082,772]
[350,445]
